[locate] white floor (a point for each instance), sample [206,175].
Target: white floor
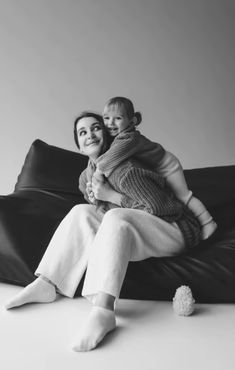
[150,336]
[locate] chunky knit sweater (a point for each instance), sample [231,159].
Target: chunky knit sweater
[128,144]
[145,190]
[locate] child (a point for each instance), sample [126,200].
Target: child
[121,121]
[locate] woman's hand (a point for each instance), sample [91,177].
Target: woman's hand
[102,190]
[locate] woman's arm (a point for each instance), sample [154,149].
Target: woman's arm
[84,187]
[138,188]
[102,190]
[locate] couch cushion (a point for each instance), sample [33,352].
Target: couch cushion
[50,168]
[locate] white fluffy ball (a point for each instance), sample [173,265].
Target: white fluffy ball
[183,301]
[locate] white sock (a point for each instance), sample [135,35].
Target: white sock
[39,291]
[100,321]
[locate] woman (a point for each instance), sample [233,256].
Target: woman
[134,219]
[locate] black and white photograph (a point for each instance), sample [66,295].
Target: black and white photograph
[117,188]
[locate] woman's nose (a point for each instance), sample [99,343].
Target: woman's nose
[92,134]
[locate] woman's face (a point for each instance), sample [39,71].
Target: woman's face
[115,119]
[90,136]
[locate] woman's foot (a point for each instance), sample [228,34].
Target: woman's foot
[100,322]
[39,291]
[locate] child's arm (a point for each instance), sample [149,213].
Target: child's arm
[129,144]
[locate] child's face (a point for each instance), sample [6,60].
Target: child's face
[115,119]
[90,136]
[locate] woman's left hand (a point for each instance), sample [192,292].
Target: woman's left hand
[100,187]
[102,190]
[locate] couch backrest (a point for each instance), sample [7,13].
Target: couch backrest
[214,186]
[57,170]
[50,168]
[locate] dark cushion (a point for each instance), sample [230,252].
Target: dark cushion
[47,188]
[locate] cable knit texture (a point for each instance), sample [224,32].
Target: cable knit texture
[146,190]
[130,143]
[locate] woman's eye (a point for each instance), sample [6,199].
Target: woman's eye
[97,128]
[81,133]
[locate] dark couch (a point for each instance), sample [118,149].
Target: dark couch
[47,188]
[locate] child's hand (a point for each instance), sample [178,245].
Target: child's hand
[98,175]
[89,192]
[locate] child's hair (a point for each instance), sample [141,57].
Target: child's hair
[127,104]
[99,118]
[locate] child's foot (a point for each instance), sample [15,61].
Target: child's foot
[208,229]
[39,291]
[99,323]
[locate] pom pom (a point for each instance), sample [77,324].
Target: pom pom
[183,301]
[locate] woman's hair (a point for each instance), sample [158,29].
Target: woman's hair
[127,104]
[99,118]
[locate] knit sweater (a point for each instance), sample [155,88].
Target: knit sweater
[130,143]
[145,190]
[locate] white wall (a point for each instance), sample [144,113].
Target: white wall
[174,58]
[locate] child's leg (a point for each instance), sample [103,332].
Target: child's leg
[65,259]
[124,235]
[204,217]
[176,181]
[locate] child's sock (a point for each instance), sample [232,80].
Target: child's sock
[99,323]
[204,217]
[39,291]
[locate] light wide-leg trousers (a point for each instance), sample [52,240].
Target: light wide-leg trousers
[102,245]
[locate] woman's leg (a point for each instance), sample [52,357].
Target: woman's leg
[127,235]
[124,235]
[65,259]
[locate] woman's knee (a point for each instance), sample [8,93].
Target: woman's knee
[117,217]
[81,210]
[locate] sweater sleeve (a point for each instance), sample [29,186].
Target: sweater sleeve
[124,146]
[130,144]
[82,184]
[145,190]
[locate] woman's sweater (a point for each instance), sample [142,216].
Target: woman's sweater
[145,190]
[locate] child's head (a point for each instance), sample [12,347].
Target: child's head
[90,134]
[119,114]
